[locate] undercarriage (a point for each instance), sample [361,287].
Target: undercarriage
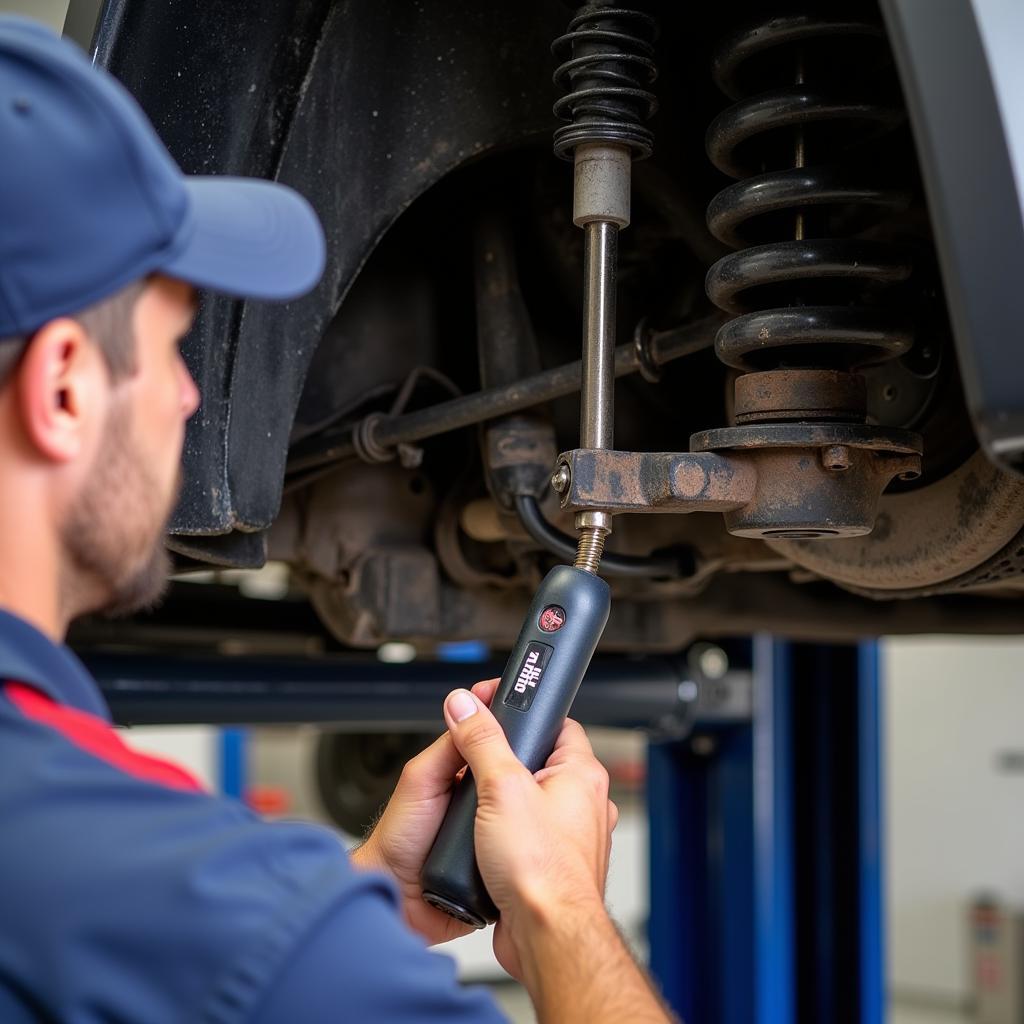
[793,449]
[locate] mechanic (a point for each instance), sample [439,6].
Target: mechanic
[128,893]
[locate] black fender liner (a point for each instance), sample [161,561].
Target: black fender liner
[361,106]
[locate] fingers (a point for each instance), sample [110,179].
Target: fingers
[479,738]
[485,690]
[571,746]
[433,769]
[574,738]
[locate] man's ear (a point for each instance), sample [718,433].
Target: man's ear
[60,381]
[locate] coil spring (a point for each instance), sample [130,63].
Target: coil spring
[607,71]
[845,325]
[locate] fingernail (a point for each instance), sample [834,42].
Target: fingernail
[461,705]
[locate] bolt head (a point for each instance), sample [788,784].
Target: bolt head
[560,479]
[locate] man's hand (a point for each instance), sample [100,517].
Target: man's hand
[542,841]
[402,838]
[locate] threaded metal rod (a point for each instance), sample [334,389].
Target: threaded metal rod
[590,549]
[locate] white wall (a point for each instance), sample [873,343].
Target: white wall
[192,747]
[955,821]
[50,12]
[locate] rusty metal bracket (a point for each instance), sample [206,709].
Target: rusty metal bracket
[810,482]
[655,481]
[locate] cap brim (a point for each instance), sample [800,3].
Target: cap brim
[248,238]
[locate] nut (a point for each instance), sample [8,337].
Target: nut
[561,478]
[594,519]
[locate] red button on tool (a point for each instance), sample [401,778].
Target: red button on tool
[552,618]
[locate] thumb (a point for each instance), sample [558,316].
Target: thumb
[478,737]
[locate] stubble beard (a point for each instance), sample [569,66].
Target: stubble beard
[114,557]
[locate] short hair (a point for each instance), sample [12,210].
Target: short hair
[108,322]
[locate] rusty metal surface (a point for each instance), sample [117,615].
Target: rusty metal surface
[735,605]
[655,481]
[958,534]
[807,435]
[203,618]
[781,395]
[795,493]
[800,495]
[927,537]
[727,606]
[477,541]
[815,481]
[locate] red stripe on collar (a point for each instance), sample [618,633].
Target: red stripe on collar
[97,737]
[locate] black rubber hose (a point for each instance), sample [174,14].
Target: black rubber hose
[627,566]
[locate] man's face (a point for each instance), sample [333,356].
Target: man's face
[113,534]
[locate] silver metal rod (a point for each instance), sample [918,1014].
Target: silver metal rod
[480,406]
[597,409]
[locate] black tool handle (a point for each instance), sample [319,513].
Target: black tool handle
[543,673]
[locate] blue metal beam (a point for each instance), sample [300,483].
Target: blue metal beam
[774,978]
[871,812]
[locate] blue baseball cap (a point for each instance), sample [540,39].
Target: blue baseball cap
[91,200]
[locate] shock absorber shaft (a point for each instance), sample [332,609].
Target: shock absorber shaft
[607,71]
[597,410]
[601,207]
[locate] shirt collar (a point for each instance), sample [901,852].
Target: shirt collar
[30,657]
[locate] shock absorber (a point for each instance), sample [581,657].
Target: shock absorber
[607,70]
[810,294]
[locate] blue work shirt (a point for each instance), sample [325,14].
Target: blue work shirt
[127,894]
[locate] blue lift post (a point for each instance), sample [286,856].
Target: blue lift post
[765,848]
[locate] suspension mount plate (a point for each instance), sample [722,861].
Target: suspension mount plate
[770,481]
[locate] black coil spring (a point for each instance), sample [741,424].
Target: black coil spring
[607,69]
[844,330]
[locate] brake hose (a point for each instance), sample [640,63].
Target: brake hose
[623,566]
